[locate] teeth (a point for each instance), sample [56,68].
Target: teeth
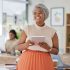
[37,17]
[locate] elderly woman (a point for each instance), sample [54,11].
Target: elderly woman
[37,55]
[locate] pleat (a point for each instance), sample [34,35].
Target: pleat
[26,65]
[31,61]
[34,60]
[39,61]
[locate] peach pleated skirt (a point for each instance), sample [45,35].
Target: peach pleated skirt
[35,60]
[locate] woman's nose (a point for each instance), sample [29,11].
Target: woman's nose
[37,15]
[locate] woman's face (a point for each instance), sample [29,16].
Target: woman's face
[39,16]
[11,36]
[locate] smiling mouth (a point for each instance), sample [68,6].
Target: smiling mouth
[38,18]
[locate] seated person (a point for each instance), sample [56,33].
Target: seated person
[11,44]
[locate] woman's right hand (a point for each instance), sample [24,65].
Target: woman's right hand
[29,42]
[22,45]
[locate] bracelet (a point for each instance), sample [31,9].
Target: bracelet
[56,48]
[51,49]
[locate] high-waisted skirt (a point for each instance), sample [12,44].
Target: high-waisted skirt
[35,60]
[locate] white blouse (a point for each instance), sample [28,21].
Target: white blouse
[10,45]
[34,30]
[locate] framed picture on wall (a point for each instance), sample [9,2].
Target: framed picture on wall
[57,16]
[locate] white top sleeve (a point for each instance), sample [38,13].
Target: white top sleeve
[53,32]
[25,29]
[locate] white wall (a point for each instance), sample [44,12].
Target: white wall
[1,37]
[0,17]
[61,30]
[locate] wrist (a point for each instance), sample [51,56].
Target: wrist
[50,50]
[28,42]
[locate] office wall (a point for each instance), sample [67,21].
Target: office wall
[0,17]
[1,24]
[61,30]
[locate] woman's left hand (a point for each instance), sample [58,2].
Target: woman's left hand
[44,45]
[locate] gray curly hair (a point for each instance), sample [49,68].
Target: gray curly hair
[44,8]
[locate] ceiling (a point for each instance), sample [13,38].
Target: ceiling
[23,1]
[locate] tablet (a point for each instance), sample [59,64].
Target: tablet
[37,39]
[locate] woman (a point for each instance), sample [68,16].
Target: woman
[37,55]
[10,44]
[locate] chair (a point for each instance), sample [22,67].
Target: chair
[60,65]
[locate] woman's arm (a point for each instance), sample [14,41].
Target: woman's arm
[22,38]
[55,48]
[21,44]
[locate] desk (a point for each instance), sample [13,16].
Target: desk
[7,67]
[7,59]
[63,68]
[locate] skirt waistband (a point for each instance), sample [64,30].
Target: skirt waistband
[36,51]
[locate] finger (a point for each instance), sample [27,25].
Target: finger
[40,44]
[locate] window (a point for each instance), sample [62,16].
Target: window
[15,13]
[0,17]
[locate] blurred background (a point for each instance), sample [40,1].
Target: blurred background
[15,14]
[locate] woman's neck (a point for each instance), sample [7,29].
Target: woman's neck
[41,24]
